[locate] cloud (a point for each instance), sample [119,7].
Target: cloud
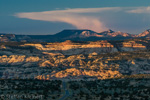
[75,17]
[140,10]
[97,19]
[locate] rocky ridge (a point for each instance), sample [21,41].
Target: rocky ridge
[75,35]
[144,34]
[74,60]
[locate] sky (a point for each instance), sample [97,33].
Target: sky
[42,17]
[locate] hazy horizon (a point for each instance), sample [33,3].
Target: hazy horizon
[68,29]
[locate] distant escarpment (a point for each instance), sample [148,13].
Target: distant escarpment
[74,35]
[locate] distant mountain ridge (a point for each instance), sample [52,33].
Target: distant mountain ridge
[145,33]
[75,35]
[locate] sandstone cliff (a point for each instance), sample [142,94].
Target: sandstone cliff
[74,60]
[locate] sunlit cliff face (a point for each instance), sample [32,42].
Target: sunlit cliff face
[99,59]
